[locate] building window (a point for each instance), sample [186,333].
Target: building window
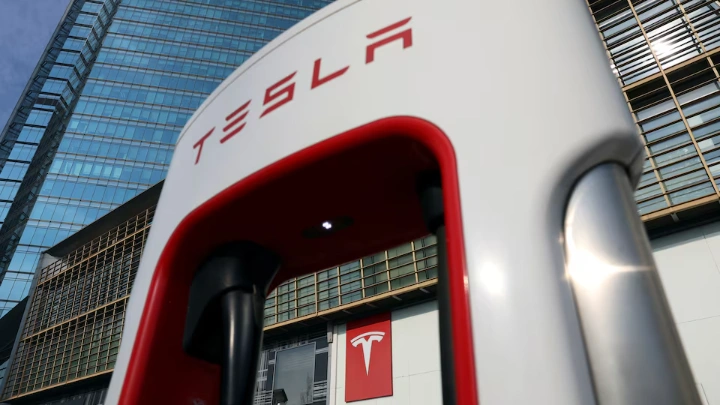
[299,367]
[294,373]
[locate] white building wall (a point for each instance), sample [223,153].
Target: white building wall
[689,265]
[415,359]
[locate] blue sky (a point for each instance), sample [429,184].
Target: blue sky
[25,29]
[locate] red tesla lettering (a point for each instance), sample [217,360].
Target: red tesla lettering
[317,81]
[405,35]
[283,91]
[235,118]
[285,94]
[199,145]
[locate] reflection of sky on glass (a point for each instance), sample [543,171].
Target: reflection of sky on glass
[25,29]
[294,369]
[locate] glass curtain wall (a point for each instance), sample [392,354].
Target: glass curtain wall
[665,55]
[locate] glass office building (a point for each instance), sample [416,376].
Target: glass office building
[665,55]
[98,120]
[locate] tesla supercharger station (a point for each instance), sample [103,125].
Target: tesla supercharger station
[497,126]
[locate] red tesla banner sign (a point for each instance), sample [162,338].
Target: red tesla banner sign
[368,366]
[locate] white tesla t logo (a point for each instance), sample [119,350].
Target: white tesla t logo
[366,340]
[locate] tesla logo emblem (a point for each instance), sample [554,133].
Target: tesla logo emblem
[366,340]
[369,341]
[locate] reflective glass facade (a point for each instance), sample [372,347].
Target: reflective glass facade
[115,88]
[665,54]
[299,367]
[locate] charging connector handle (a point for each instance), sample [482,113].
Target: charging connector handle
[224,322]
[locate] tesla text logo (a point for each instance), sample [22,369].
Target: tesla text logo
[282,92]
[368,366]
[365,341]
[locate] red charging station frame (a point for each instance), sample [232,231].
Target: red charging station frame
[160,372]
